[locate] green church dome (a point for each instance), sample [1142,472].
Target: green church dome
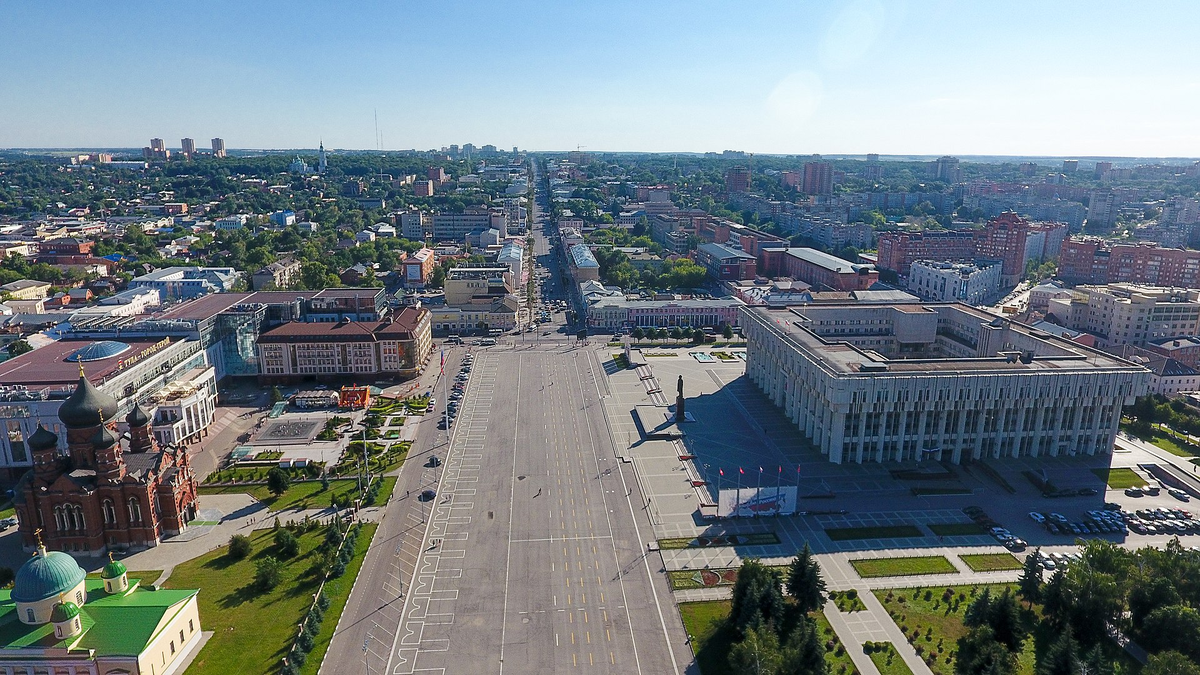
[46,575]
[64,611]
[84,408]
[113,570]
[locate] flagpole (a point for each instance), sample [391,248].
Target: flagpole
[778,490]
[758,494]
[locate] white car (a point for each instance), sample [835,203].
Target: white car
[1037,517]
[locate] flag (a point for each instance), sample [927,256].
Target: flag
[741,471]
[721,471]
[781,468]
[760,469]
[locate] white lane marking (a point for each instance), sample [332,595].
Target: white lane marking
[512,492]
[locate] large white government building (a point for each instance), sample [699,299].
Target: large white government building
[945,381]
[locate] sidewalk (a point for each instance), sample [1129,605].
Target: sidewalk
[891,632]
[852,637]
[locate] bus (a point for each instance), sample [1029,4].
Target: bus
[495,332]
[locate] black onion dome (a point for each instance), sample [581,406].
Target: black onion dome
[85,403]
[104,439]
[137,417]
[42,439]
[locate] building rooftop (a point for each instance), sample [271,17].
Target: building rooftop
[51,365]
[399,327]
[649,304]
[1177,343]
[121,624]
[582,256]
[829,262]
[723,251]
[1050,353]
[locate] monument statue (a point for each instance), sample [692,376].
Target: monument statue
[679,412]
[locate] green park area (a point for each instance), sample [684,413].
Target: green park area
[877,532]
[1120,478]
[305,495]
[991,562]
[902,567]
[711,635]
[847,601]
[254,623]
[886,658]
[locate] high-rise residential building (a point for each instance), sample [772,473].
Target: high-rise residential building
[873,157]
[948,382]
[1102,168]
[188,145]
[156,150]
[818,178]
[791,178]
[423,188]
[737,179]
[218,147]
[436,174]
[1070,165]
[945,168]
[1102,210]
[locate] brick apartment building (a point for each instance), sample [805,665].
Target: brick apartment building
[1004,238]
[1092,261]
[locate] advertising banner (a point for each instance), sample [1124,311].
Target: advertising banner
[749,502]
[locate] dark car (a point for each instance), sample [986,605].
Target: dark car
[1087,492]
[427,495]
[433,461]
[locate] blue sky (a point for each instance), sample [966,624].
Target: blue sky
[915,76]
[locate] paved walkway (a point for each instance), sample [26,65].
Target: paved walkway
[852,636]
[889,632]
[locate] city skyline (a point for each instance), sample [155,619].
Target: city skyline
[898,78]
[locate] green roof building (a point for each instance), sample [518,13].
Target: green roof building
[55,618]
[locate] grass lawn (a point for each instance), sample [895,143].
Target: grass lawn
[939,491]
[308,494]
[956,529]
[1119,479]
[903,567]
[253,630]
[881,532]
[7,509]
[848,601]
[991,562]
[338,592]
[889,662]
[711,639]
[385,491]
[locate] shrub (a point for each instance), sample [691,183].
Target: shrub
[286,543]
[6,576]
[267,573]
[304,643]
[239,546]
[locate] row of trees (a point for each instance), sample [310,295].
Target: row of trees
[1156,408]
[677,333]
[776,635]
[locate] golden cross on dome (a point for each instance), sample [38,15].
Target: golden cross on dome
[38,534]
[81,369]
[110,557]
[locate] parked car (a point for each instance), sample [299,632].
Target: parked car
[1133,492]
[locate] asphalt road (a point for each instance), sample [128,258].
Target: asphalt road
[532,557]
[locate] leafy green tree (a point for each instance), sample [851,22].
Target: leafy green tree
[276,395]
[979,653]
[286,543]
[804,653]
[757,598]
[239,546]
[638,334]
[727,331]
[1172,627]
[1170,663]
[676,334]
[757,653]
[1030,582]
[1148,594]
[1062,658]
[804,582]
[278,481]
[268,572]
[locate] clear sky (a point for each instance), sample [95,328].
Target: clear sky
[916,76]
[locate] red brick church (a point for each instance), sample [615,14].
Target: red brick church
[107,493]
